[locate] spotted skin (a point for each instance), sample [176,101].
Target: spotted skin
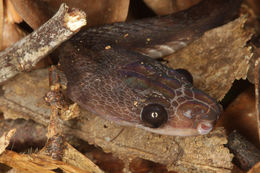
[116,82]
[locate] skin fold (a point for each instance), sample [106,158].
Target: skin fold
[110,72]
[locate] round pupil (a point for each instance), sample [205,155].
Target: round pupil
[154,115]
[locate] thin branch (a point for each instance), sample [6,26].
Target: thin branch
[246,154]
[25,54]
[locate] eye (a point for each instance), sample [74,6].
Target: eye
[154,115]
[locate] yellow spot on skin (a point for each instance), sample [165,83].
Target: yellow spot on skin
[143,100]
[126,35]
[135,103]
[108,47]
[147,40]
[250,114]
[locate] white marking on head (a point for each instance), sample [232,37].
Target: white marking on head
[153,53]
[107,139]
[183,43]
[188,114]
[158,51]
[166,50]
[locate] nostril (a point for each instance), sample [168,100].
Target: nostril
[210,115]
[204,128]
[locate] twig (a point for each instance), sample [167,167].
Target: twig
[55,143]
[25,54]
[246,154]
[257,96]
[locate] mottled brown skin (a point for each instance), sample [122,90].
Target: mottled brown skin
[107,75]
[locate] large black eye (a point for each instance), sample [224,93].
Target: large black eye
[154,115]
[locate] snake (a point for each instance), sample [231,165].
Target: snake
[112,70]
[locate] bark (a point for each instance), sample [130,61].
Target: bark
[25,54]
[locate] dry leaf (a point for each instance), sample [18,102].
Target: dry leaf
[35,13]
[74,157]
[10,32]
[254,4]
[237,113]
[28,134]
[36,163]
[216,59]
[5,140]
[169,6]
[255,169]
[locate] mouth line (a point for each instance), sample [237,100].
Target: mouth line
[205,127]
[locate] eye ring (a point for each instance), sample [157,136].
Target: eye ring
[154,115]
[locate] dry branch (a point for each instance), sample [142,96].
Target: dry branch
[246,154]
[23,55]
[257,94]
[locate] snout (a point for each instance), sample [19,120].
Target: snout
[208,121]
